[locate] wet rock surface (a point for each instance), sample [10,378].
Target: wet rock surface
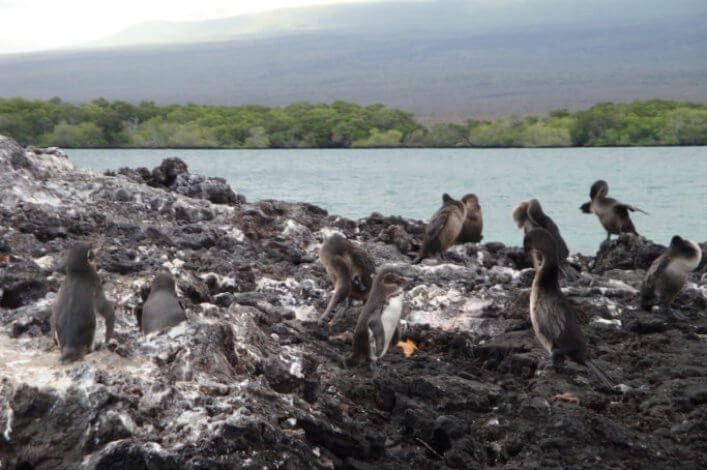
[251,380]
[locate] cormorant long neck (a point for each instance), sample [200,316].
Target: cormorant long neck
[548,274]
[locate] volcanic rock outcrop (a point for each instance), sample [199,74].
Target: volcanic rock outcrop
[251,381]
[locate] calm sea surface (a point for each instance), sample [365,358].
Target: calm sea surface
[670,183]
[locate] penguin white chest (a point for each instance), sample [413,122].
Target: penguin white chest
[390,318]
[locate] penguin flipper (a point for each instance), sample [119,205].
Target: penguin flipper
[396,336]
[376,328]
[105,309]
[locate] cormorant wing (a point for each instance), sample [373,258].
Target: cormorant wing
[542,220]
[653,278]
[572,336]
[560,324]
[439,220]
[623,208]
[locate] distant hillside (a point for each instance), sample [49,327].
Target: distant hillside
[441,60]
[410,17]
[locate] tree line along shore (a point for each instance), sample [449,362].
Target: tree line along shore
[119,124]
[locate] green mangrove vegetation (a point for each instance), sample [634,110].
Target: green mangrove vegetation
[103,123]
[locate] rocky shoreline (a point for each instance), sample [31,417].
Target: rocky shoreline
[251,381]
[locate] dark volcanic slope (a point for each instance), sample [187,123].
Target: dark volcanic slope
[443,62]
[250,381]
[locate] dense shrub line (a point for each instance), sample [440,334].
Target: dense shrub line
[103,123]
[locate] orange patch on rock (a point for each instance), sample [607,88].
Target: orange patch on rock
[408,347]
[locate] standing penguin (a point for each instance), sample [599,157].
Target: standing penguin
[553,317]
[379,320]
[162,308]
[612,214]
[473,223]
[350,269]
[80,297]
[443,229]
[529,215]
[668,273]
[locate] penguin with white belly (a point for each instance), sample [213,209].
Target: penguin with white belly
[378,324]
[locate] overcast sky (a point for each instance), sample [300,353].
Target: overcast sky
[27,25]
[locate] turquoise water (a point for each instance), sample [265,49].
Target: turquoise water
[666,182]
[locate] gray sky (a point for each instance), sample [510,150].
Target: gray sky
[29,25]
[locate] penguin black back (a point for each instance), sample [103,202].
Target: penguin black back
[378,323]
[80,297]
[162,308]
